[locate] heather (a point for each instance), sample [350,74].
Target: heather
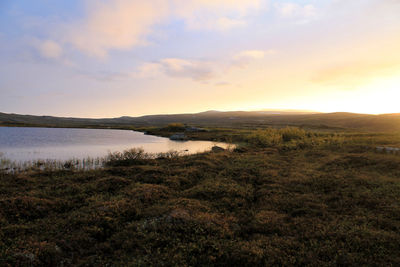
[285,196]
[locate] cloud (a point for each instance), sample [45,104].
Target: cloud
[222,83]
[115,24]
[244,58]
[195,70]
[255,54]
[178,68]
[49,49]
[297,12]
[123,24]
[225,23]
[215,14]
[215,23]
[197,8]
[148,70]
[199,70]
[104,76]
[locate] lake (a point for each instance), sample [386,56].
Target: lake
[28,144]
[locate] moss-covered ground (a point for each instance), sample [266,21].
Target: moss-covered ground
[284,197]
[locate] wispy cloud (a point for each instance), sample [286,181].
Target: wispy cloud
[218,15]
[297,12]
[196,70]
[255,54]
[200,70]
[115,24]
[244,58]
[225,23]
[104,76]
[179,68]
[215,23]
[48,49]
[123,24]
[222,84]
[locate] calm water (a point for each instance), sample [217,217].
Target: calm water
[25,144]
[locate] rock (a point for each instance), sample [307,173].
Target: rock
[241,149]
[388,150]
[195,129]
[217,149]
[178,137]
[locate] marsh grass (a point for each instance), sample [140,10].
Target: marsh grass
[296,138]
[289,138]
[47,165]
[124,158]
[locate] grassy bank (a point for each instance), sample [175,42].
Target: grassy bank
[284,197]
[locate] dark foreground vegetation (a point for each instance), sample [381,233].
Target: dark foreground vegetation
[283,197]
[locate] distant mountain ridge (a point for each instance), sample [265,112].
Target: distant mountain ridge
[385,122]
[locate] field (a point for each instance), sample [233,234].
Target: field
[284,196]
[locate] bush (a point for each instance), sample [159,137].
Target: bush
[263,138]
[291,133]
[175,127]
[290,138]
[126,158]
[273,137]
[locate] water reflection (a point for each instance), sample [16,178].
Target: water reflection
[27,144]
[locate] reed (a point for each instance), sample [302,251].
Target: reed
[124,158]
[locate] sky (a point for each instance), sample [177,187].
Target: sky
[111,58]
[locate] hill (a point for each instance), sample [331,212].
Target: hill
[241,119]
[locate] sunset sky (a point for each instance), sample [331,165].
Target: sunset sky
[111,58]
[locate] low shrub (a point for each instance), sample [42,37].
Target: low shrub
[111,184]
[291,133]
[264,138]
[175,127]
[127,157]
[148,193]
[26,208]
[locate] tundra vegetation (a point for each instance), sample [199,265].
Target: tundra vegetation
[284,196]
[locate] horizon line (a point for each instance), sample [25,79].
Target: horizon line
[294,112]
